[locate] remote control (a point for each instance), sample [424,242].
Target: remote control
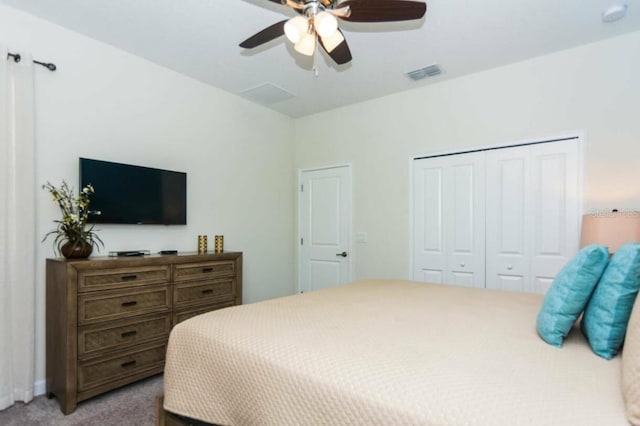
[134,253]
[130,253]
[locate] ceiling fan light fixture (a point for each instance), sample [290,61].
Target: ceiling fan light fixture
[333,41]
[306,45]
[318,23]
[295,28]
[325,24]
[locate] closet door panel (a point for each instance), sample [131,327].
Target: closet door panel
[464,219]
[463,279]
[542,284]
[556,210]
[508,219]
[449,220]
[430,276]
[429,256]
[509,282]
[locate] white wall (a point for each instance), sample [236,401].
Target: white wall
[104,103]
[593,89]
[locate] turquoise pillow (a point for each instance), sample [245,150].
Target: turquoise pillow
[607,314]
[569,293]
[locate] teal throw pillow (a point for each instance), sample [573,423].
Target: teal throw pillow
[569,293]
[607,314]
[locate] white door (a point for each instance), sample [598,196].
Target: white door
[556,214]
[325,228]
[533,214]
[508,218]
[504,218]
[449,220]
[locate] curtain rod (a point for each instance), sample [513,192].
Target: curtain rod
[17,58]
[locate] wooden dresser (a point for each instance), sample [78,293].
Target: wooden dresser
[108,319]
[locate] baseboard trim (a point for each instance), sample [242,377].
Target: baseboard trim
[40,388]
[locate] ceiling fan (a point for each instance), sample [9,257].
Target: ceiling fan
[317,23]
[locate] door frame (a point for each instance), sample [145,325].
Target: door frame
[349,167]
[581,140]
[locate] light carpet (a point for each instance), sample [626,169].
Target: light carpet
[130,405]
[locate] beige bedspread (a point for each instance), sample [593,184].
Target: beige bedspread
[387,353]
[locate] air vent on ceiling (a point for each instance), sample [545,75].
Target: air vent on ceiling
[430,71]
[267,94]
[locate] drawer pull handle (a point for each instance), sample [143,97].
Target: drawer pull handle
[207,291]
[128,364]
[127,304]
[128,277]
[207,270]
[129,333]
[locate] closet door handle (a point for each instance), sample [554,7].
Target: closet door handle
[343,254]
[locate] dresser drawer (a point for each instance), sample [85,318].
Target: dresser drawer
[103,337]
[185,314]
[116,304]
[204,270]
[96,373]
[203,292]
[104,279]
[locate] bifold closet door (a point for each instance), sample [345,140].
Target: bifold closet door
[508,218]
[504,218]
[449,220]
[533,214]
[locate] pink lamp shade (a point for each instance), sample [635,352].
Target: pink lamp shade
[611,229]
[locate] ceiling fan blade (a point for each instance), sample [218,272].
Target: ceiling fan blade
[383,10]
[342,12]
[268,34]
[341,53]
[292,4]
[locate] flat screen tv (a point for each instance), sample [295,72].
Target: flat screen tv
[127,194]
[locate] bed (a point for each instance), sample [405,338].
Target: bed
[382,352]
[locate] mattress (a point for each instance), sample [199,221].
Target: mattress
[383,352]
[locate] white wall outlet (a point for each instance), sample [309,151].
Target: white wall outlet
[361,237]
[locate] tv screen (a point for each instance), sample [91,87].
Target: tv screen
[128,194]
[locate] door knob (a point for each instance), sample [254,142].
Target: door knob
[462,265]
[510,267]
[343,254]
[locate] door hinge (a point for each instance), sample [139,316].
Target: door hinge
[301,187]
[301,241]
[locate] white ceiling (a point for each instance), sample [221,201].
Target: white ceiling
[200,38]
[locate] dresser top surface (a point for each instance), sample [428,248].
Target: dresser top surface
[181,257]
